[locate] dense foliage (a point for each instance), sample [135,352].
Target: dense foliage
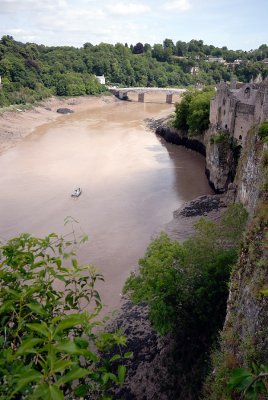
[187,284]
[50,348]
[186,288]
[30,71]
[263,131]
[192,112]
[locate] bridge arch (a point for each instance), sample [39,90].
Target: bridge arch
[122,93]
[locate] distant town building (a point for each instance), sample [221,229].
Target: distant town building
[265,61]
[238,62]
[101,79]
[1,82]
[194,71]
[219,60]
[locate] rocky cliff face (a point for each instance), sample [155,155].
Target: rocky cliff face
[220,160]
[220,163]
[248,178]
[245,333]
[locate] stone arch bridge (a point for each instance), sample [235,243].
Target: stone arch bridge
[122,93]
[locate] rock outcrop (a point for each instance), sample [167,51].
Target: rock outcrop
[64,111]
[245,335]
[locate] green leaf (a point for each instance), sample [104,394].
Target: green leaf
[129,354]
[69,347]
[37,308]
[239,379]
[28,345]
[121,372]
[82,390]
[40,328]
[27,377]
[81,343]
[109,376]
[76,373]
[115,357]
[264,291]
[47,392]
[74,263]
[69,321]
[61,365]
[55,393]
[41,392]
[7,306]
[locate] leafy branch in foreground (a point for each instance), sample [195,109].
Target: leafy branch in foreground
[50,347]
[250,383]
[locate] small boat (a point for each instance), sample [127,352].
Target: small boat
[77,192]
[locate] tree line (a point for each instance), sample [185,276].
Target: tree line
[31,72]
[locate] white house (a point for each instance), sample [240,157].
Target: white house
[101,79]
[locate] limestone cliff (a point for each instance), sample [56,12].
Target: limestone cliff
[245,334]
[220,160]
[249,174]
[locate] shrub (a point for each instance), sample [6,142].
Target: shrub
[192,113]
[186,284]
[48,346]
[263,130]
[219,138]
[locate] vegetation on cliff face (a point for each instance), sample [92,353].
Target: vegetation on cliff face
[192,113]
[187,283]
[240,365]
[186,287]
[49,346]
[30,72]
[263,131]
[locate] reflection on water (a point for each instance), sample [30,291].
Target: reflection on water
[131,182]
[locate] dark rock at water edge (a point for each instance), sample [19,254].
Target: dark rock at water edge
[64,111]
[201,206]
[171,135]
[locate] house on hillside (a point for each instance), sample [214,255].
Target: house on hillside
[219,60]
[194,71]
[101,79]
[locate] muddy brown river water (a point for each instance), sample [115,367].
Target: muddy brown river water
[131,182]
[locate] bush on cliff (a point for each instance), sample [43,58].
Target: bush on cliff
[186,285]
[263,131]
[192,113]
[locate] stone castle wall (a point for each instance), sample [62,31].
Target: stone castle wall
[238,109]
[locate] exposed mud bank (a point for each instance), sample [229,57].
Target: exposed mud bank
[17,123]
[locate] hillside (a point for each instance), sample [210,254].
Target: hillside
[31,72]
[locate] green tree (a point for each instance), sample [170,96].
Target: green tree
[198,117]
[182,111]
[186,284]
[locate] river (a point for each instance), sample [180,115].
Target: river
[131,182]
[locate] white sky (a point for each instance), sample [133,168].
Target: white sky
[238,24]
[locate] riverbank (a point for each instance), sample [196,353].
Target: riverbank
[16,123]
